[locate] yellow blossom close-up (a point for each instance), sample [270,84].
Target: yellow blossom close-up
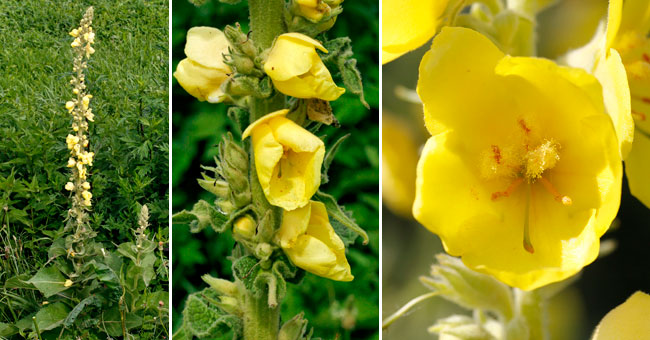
[310,242]
[519,178]
[203,72]
[288,160]
[296,69]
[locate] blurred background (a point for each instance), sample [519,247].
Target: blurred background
[409,249]
[336,310]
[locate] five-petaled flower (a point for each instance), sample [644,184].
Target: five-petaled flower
[310,242]
[522,175]
[296,69]
[203,72]
[288,160]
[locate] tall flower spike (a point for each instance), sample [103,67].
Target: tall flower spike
[77,142]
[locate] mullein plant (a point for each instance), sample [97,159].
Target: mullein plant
[87,290]
[266,186]
[523,171]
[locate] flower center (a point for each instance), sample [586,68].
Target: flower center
[524,161]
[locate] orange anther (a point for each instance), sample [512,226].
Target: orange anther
[511,188]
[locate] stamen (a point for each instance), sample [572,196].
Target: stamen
[639,115]
[565,200]
[528,246]
[508,191]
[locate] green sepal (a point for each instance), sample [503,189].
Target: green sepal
[245,270]
[460,327]
[340,57]
[203,214]
[240,117]
[295,329]
[329,157]
[272,281]
[341,221]
[205,320]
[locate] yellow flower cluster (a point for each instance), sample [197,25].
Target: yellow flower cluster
[288,158]
[78,143]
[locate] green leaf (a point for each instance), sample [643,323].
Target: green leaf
[182,334]
[52,316]
[74,313]
[7,330]
[203,214]
[329,157]
[205,320]
[246,269]
[57,249]
[19,282]
[49,281]
[112,321]
[341,220]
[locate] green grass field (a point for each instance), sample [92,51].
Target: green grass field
[128,77]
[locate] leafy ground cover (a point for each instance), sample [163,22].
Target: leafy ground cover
[335,309]
[128,78]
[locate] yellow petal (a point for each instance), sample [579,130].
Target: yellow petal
[310,242]
[635,16]
[288,160]
[612,76]
[408,24]
[205,46]
[296,69]
[399,161]
[628,321]
[637,167]
[294,224]
[201,82]
[460,89]
[614,14]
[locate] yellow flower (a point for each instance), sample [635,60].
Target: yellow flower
[71,141]
[68,283]
[69,186]
[627,32]
[296,69]
[85,185]
[71,162]
[245,226]
[288,160]
[86,195]
[314,10]
[399,161]
[203,71]
[629,321]
[69,105]
[308,239]
[525,176]
[407,25]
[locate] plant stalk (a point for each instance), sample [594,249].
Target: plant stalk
[267,21]
[261,322]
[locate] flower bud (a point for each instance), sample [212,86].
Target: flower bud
[240,41]
[245,227]
[219,188]
[223,287]
[293,329]
[68,283]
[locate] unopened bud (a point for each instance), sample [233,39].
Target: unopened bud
[293,329]
[217,187]
[263,251]
[245,227]
[239,41]
[221,286]
[67,283]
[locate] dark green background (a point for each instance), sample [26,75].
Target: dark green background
[354,176]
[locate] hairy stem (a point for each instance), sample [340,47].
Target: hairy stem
[266,18]
[532,306]
[261,322]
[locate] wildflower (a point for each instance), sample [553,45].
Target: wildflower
[74,33]
[288,160]
[245,226]
[296,69]
[68,283]
[71,162]
[69,186]
[522,178]
[85,101]
[629,321]
[69,105]
[203,72]
[620,55]
[407,26]
[309,240]
[86,195]
[315,10]
[71,141]
[76,43]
